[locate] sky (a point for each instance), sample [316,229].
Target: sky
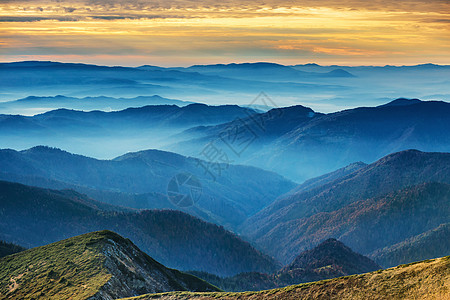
[186,32]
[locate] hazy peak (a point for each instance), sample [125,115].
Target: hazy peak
[402,102]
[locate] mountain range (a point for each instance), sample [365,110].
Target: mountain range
[34,217]
[296,141]
[263,71]
[118,132]
[272,140]
[397,198]
[82,80]
[340,87]
[227,194]
[376,206]
[32,105]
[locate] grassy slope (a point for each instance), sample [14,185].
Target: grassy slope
[97,263]
[422,280]
[70,268]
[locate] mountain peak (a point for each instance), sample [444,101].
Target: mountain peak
[44,149]
[402,102]
[339,73]
[401,156]
[332,252]
[97,265]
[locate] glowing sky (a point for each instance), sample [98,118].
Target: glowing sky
[185,32]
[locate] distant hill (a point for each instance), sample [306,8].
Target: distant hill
[262,129]
[361,134]
[338,73]
[402,102]
[422,280]
[264,71]
[432,243]
[260,71]
[34,217]
[333,253]
[98,265]
[145,116]
[32,105]
[9,248]
[390,198]
[296,143]
[21,79]
[140,180]
[330,259]
[127,130]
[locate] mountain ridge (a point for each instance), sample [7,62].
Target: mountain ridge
[408,180]
[97,265]
[142,180]
[377,132]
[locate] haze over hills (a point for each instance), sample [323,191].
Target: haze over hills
[34,217]
[400,196]
[228,193]
[131,129]
[97,265]
[271,140]
[327,178]
[263,71]
[324,88]
[81,80]
[424,280]
[361,134]
[32,105]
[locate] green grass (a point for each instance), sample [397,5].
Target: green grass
[69,269]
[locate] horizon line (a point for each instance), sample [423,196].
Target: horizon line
[228,63]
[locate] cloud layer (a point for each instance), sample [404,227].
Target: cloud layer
[189,32]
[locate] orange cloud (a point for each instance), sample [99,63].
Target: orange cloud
[189,32]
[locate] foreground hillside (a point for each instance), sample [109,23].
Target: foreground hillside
[422,280]
[99,265]
[34,217]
